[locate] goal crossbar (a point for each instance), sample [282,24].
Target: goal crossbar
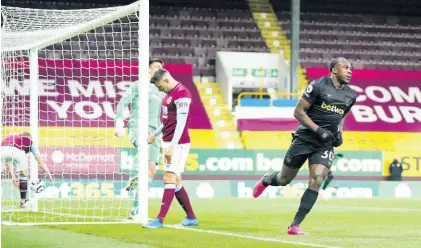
[15,41]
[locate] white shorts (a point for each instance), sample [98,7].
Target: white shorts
[17,157]
[179,157]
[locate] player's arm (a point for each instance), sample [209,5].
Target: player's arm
[121,107]
[157,132]
[35,151]
[338,135]
[341,124]
[309,97]
[301,115]
[12,174]
[183,107]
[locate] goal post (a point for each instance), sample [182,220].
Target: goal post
[63,73]
[142,215]
[33,118]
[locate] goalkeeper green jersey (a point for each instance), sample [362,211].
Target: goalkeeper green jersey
[131,96]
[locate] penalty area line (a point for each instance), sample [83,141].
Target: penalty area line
[244,236]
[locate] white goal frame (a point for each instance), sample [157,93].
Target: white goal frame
[18,41]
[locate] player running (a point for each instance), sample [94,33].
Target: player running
[175,119]
[131,96]
[14,148]
[321,112]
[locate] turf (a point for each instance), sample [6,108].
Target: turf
[226,223]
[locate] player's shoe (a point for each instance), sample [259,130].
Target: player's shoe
[189,222]
[133,213]
[295,230]
[154,224]
[324,195]
[132,184]
[25,202]
[259,187]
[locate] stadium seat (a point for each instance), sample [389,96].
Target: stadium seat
[350,28]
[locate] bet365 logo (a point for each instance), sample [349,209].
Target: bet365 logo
[333,108]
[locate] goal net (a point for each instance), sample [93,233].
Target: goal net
[63,73]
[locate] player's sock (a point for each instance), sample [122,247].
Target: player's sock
[135,207]
[167,198]
[307,202]
[23,186]
[271,180]
[135,203]
[327,181]
[184,200]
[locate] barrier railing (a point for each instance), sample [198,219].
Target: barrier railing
[279,96]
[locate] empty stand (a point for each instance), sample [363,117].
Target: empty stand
[181,31]
[375,34]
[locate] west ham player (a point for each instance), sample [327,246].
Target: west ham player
[14,148]
[322,191]
[321,112]
[175,119]
[131,96]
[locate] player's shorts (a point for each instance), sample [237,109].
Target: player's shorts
[17,157]
[153,148]
[179,157]
[300,151]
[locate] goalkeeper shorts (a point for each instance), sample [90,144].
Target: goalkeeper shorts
[153,148]
[17,157]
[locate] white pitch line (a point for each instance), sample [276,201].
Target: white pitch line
[175,227]
[244,236]
[118,221]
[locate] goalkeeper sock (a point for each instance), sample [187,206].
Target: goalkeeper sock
[136,200]
[23,186]
[184,200]
[135,203]
[167,198]
[307,202]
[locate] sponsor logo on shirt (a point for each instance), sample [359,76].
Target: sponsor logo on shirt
[333,108]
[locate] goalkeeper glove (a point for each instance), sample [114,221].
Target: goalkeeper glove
[119,128]
[132,184]
[338,139]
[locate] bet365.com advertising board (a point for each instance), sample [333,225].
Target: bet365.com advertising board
[108,189]
[258,162]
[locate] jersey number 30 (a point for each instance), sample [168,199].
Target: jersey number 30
[327,154]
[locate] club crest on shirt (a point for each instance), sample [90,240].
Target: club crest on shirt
[169,100]
[348,101]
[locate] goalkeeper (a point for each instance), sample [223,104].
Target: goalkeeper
[130,96]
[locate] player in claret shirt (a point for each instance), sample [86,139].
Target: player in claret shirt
[14,148]
[175,121]
[321,112]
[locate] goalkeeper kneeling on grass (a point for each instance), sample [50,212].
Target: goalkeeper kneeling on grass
[14,148]
[130,96]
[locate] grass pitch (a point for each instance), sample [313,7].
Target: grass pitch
[223,223]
